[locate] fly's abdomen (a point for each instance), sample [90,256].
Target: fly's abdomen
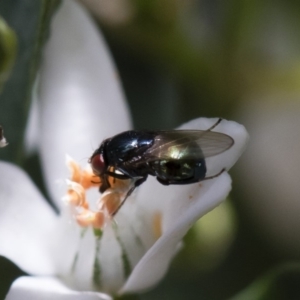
[177,171]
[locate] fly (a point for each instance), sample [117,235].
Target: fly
[172,156]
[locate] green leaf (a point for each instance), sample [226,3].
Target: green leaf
[8,47]
[30,21]
[270,286]
[128,297]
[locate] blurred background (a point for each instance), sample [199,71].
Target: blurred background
[179,60]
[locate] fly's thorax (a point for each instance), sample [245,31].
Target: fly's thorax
[127,147]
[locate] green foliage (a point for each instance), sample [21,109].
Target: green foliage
[8,46]
[269,287]
[30,22]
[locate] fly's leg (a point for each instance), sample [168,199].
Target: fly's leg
[163,181]
[136,184]
[215,125]
[216,175]
[114,178]
[105,184]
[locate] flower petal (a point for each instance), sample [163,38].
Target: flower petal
[32,126]
[74,258]
[48,288]
[153,266]
[82,102]
[181,206]
[27,222]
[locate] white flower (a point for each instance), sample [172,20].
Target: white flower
[81,104]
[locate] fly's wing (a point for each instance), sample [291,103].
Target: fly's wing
[187,144]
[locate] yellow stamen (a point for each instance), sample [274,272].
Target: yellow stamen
[84,177]
[89,218]
[75,194]
[88,179]
[74,168]
[99,220]
[80,181]
[157,224]
[85,218]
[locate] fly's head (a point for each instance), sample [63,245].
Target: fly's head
[98,162]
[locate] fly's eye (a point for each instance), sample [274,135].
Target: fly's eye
[98,163]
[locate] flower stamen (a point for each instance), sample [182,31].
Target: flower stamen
[84,177]
[157,224]
[89,218]
[82,180]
